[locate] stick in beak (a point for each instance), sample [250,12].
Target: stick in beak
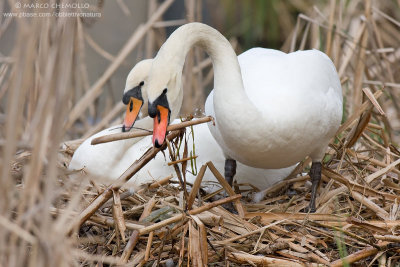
[160,125]
[132,111]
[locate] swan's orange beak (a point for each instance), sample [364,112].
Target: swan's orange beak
[132,111]
[160,125]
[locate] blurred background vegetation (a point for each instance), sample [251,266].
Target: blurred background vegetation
[264,23]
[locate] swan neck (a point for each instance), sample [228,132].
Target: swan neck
[227,75]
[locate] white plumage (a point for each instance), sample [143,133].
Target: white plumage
[297,98]
[110,160]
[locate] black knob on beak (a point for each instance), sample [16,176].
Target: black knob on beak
[160,101]
[153,109]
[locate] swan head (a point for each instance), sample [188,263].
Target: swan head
[134,96]
[165,94]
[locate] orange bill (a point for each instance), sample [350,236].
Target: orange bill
[132,111]
[160,126]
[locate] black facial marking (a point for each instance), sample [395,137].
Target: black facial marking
[160,101]
[135,92]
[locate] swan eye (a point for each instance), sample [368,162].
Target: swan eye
[165,91]
[141,83]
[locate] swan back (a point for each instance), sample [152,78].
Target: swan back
[298,102]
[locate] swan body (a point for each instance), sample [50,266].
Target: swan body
[110,160]
[271,109]
[295,117]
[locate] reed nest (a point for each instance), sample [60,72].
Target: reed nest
[49,219]
[357,214]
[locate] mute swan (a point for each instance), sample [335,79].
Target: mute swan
[110,160]
[271,111]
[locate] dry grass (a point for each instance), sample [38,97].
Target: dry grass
[48,220]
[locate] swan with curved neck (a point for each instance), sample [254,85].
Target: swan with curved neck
[271,111]
[110,160]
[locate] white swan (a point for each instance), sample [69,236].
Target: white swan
[110,160]
[271,111]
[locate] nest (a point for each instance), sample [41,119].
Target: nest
[163,224]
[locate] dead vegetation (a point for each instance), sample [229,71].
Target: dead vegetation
[48,220]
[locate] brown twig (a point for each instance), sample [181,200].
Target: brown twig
[160,182]
[239,207]
[118,214]
[179,217]
[359,255]
[196,186]
[130,246]
[140,133]
[181,160]
[245,258]
[268,217]
[147,208]
[148,246]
